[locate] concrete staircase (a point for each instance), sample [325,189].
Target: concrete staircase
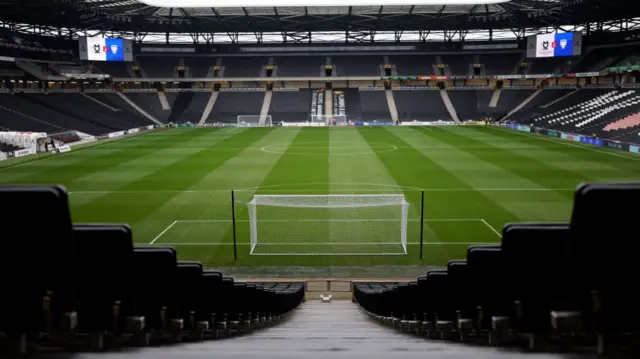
[495,98]
[328,102]
[523,104]
[561,98]
[391,102]
[100,102]
[447,103]
[143,112]
[207,109]
[163,101]
[266,105]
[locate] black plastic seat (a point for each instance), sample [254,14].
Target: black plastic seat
[483,264]
[534,274]
[106,293]
[39,265]
[189,283]
[157,282]
[605,254]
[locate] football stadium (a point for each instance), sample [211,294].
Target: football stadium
[419,178]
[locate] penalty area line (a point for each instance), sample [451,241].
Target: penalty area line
[491,228]
[163,232]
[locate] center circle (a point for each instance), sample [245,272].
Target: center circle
[335,148]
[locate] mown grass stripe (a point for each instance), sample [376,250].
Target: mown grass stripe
[178,176]
[526,167]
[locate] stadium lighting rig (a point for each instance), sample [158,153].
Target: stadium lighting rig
[311,3]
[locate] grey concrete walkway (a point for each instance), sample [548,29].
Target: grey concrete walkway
[323,331]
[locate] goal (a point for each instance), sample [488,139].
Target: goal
[367,224]
[254,120]
[330,120]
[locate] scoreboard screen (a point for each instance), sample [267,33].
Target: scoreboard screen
[105,49]
[554,45]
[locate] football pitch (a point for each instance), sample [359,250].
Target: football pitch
[174,187]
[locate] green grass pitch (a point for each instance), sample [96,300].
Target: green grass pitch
[174,186]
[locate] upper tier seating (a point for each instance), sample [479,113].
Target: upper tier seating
[243,66]
[502,293]
[413,65]
[158,66]
[500,64]
[351,65]
[288,66]
[104,291]
[457,64]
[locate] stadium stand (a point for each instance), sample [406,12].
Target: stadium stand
[507,64]
[150,103]
[290,106]
[472,104]
[413,65]
[97,284]
[244,66]
[420,105]
[299,65]
[590,111]
[374,105]
[231,104]
[500,293]
[357,65]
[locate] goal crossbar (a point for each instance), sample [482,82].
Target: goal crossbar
[333,224]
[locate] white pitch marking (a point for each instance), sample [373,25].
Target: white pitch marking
[361,190]
[163,232]
[330,244]
[491,228]
[543,137]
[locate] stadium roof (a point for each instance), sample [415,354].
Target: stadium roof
[117,17]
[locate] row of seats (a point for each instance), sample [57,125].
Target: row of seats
[567,283]
[630,121]
[574,113]
[89,286]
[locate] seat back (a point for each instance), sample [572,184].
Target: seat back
[189,284]
[534,272]
[38,260]
[105,274]
[157,282]
[483,263]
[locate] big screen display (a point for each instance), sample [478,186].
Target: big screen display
[554,45]
[105,49]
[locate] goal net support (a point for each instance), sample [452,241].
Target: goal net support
[330,120]
[254,120]
[374,224]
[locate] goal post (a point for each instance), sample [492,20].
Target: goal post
[330,120]
[254,121]
[363,224]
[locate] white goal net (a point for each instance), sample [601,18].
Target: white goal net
[330,120]
[373,224]
[254,120]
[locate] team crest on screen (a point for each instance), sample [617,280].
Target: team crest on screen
[96,49]
[545,45]
[114,49]
[563,43]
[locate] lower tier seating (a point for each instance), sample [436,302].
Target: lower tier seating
[563,282]
[87,286]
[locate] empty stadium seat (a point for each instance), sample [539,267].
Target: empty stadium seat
[107,296]
[38,266]
[534,278]
[604,255]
